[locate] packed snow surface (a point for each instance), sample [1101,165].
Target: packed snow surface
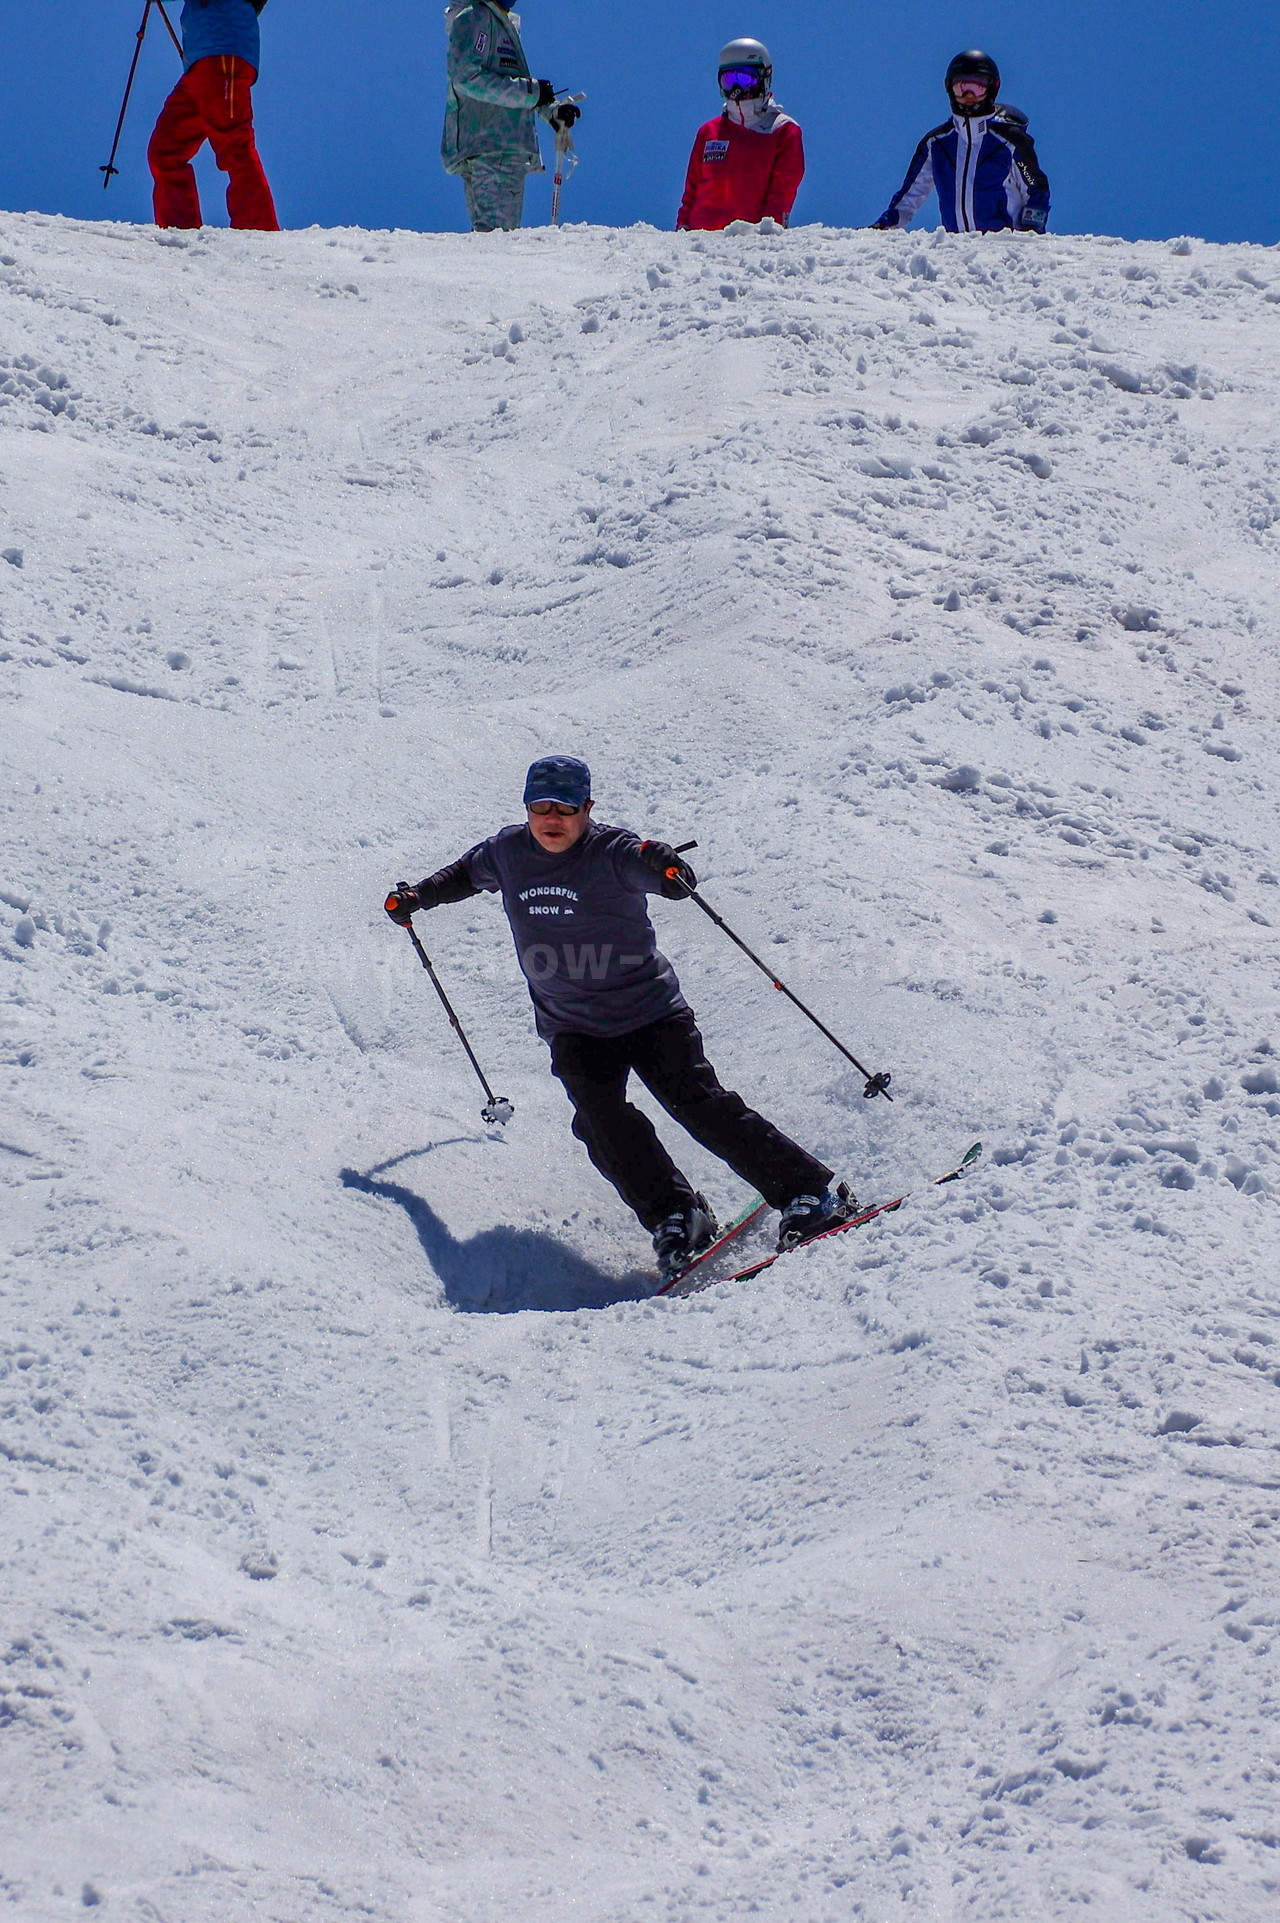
[372,1546]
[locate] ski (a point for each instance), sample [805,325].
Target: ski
[691,1283]
[683,1284]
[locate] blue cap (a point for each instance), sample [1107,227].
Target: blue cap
[558,778]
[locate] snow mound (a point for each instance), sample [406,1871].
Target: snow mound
[931,583]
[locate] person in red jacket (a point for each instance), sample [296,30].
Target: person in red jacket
[748,164]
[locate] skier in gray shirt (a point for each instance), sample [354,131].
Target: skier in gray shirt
[609,1003]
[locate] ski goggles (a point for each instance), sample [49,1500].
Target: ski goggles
[741,79]
[565,808]
[971,83]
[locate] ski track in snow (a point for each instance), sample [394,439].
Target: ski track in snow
[931,583]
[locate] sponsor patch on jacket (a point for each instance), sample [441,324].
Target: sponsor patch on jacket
[482,44]
[715,149]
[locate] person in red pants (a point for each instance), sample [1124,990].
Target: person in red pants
[213,101]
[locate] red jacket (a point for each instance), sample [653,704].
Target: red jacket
[737,173]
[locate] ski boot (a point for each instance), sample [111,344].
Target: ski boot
[810,1215]
[682,1237]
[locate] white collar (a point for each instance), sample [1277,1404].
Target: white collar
[756,115]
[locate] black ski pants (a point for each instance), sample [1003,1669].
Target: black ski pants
[669,1058]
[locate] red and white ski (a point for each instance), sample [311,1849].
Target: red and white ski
[695,1279]
[685,1283]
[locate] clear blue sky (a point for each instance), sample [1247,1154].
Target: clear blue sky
[1151,119]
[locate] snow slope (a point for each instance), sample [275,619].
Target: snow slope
[931,583]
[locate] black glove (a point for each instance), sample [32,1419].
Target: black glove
[565,115]
[677,877]
[546,94]
[402,902]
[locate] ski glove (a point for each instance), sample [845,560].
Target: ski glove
[677,877]
[546,94]
[565,115]
[401,903]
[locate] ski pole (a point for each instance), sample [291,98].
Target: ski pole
[876,1084]
[497,1108]
[111,167]
[141,35]
[564,148]
[159,5]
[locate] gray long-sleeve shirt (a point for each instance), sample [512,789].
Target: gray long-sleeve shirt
[582,930]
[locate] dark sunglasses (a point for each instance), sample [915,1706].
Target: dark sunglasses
[552,808]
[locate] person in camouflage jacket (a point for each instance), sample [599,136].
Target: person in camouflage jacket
[489,133]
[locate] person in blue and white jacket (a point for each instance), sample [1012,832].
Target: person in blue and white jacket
[981,163]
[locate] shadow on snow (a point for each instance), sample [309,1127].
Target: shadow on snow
[500,1270]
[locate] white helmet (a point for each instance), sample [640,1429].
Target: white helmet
[745,57]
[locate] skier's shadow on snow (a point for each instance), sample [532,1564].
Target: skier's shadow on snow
[500,1271]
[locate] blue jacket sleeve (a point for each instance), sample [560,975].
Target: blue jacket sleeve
[1035,182]
[915,189]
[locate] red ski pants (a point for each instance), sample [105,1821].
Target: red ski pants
[212,102]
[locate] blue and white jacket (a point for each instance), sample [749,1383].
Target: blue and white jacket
[985,173]
[221,27]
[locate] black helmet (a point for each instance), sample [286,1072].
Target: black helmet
[982,67]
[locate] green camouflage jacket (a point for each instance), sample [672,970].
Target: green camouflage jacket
[492,102]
